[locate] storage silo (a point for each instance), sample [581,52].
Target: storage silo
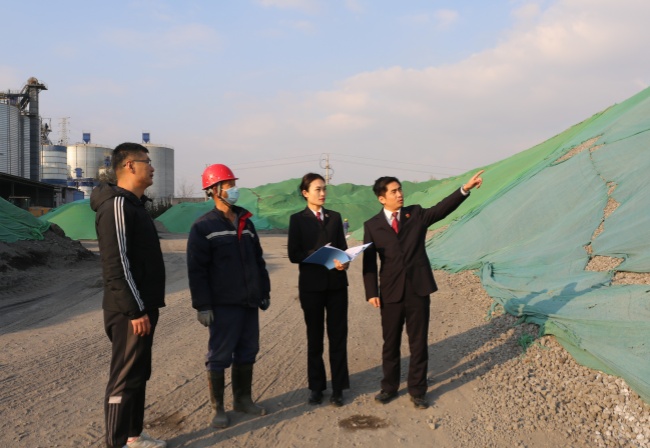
[89,157]
[12,156]
[54,164]
[28,163]
[85,185]
[162,159]
[19,133]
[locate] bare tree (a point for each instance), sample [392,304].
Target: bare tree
[185,189]
[107,175]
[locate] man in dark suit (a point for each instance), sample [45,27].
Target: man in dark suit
[398,236]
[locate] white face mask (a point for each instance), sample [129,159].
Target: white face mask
[233,195]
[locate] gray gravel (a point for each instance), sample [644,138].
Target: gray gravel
[544,389]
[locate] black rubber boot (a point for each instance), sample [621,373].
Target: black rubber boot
[216,383]
[242,380]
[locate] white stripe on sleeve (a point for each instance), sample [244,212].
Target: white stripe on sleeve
[120,227]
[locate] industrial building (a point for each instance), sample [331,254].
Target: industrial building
[87,164]
[90,163]
[20,151]
[47,174]
[162,159]
[20,131]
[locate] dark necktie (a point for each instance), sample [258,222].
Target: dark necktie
[394,224]
[318,217]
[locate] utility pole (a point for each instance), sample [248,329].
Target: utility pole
[329,171]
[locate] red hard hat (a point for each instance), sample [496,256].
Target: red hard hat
[216,173]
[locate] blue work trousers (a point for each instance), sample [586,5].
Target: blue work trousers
[234,337]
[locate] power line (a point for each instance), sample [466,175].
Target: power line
[275,160]
[277,164]
[400,168]
[406,163]
[239,166]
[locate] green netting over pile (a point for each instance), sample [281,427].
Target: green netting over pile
[530,240]
[180,217]
[273,204]
[18,224]
[76,219]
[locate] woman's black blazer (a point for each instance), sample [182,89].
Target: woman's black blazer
[306,235]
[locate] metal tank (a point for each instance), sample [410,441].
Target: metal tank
[86,185]
[12,155]
[162,159]
[54,164]
[30,167]
[89,157]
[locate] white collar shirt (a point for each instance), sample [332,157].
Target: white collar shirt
[389,216]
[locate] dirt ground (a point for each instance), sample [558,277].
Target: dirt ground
[484,391]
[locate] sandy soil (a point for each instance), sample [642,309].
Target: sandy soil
[484,390]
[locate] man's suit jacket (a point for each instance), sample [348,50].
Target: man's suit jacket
[306,235]
[402,254]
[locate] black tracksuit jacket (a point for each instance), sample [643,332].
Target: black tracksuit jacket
[132,261]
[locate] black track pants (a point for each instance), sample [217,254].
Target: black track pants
[130,369]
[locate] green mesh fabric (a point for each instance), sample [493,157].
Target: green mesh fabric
[180,217]
[529,239]
[76,219]
[18,224]
[273,204]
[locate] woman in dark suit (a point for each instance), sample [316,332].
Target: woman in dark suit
[323,292]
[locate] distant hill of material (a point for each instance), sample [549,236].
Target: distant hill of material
[273,204]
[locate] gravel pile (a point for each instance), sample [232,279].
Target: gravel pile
[55,250]
[534,385]
[545,389]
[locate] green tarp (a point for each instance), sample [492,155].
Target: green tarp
[180,217]
[273,204]
[76,219]
[18,224]
[529,240]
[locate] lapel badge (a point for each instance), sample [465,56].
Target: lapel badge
[407,216]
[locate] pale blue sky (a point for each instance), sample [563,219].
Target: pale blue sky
[408,88]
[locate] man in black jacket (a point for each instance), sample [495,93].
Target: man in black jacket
[228,283]
[134,290]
